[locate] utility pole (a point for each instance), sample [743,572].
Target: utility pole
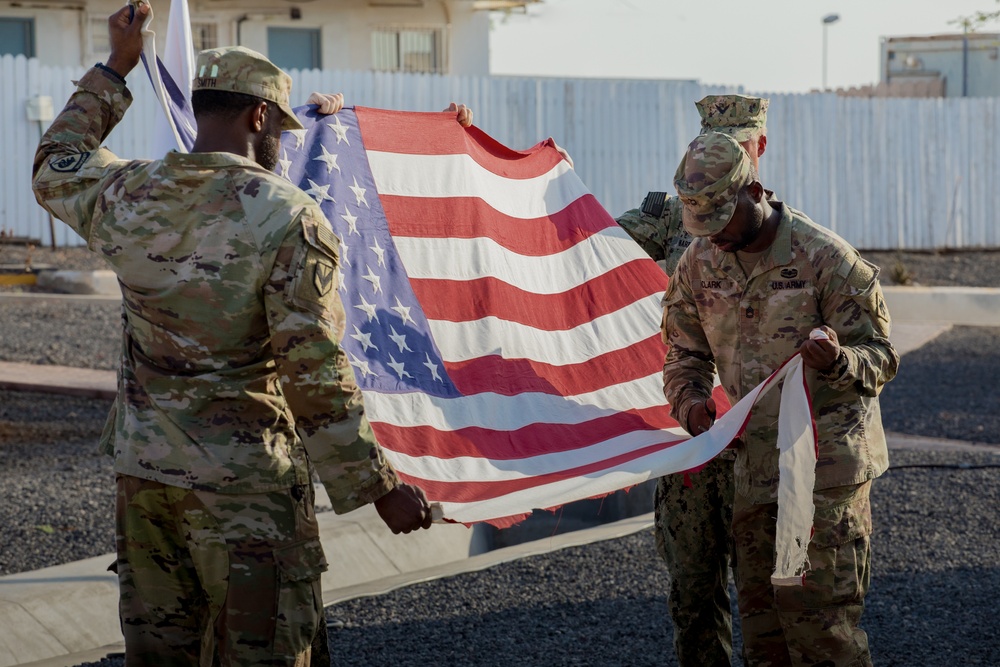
[828,20]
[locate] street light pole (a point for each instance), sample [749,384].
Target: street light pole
[827,20]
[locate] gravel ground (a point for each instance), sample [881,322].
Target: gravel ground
[948,388]
[76,259]
[947,268]
[936,586]
[56,491]
[82,334]
[934,596]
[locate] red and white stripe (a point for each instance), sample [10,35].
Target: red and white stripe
[546,315]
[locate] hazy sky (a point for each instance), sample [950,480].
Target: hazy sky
[767,45]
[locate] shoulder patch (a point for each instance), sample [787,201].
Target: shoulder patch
[652,205]
[323,278]
[69,163]
[326,238]
[862,275]
[859,278]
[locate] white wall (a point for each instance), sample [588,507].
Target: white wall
[883,173]
[470,40]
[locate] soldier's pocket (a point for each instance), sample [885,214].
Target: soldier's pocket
[300,601]
[839,553]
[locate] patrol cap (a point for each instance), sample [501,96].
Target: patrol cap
[739,116]
[708,181]
[237,69]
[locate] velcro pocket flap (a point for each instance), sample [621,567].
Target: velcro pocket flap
[842,523]
[302,561]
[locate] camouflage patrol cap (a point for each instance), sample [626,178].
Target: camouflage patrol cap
[708,181]
[739,116]
[238,69]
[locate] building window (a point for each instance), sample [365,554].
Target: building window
[294,48]
[98,42]
[17,37]
[409,50]
[204,36]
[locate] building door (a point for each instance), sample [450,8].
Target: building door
[294,48]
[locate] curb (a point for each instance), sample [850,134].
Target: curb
[920,443]
[86,382]
[101,282]
[973,306]
[13,297]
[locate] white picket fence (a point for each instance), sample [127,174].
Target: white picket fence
[883,173]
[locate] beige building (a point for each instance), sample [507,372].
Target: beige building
[437,36]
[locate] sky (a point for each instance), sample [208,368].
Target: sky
[763,45]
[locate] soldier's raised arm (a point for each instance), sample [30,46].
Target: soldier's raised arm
[71,170]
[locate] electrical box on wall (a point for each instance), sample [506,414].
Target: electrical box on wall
[39,108]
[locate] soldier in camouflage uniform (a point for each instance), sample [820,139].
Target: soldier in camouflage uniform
[232,387]
[694,511]
[756,280]
[656,224]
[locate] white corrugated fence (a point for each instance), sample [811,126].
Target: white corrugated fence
[883,173]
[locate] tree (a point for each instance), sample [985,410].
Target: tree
[973,22]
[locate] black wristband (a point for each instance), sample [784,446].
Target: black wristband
[105,68]
[838,367]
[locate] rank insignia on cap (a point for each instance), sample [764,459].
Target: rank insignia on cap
[69,163]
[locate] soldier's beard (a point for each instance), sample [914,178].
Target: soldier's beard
[267,151]
[755,223]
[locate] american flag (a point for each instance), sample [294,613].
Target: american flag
[502,327]
[504,330]
[171,81]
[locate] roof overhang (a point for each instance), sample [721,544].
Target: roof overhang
[494,5]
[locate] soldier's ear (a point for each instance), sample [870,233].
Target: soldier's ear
[755,190]
[258,117]
[761,144]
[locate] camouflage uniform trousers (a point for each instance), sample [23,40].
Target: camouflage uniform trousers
[816,623]
[225,579]
[693,537]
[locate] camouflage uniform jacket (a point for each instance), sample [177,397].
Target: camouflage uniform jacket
[663,238]
[232,378]
[718,318]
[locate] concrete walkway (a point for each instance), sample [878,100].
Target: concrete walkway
[58,615]
[52,379]
[65,615]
